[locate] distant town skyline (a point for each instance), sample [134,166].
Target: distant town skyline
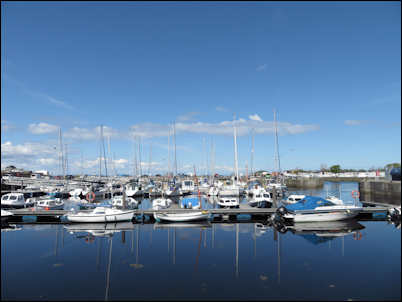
[331,70]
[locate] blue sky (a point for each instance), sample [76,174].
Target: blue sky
[332,71]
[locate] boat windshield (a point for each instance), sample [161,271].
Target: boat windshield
[13,197]
[5,197]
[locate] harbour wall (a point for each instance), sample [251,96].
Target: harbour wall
[381,191]
[304,182]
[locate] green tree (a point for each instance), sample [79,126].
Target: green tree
[335,169]
[393,165]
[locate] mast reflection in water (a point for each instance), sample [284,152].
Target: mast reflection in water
[338,260]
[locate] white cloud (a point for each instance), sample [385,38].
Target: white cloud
[255,117]
[223,128]
[27,149]
[42,128]
[92,134]
[261,67]
[47,161]
[188,116]
[31,156]
[352,122]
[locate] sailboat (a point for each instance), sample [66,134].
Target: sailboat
[183,215]
[276,183]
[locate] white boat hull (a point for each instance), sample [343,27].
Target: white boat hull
[124,216]
[181,217]
[316,217]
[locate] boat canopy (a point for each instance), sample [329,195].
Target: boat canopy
[314,239]
[309,203]
[186,201]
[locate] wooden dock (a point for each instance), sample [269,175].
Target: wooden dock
[149,212]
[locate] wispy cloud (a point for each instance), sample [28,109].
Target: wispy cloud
[48,98]
[255,117]
[372,122]
[353,122]
[42,128]
[261,67]
[221,109]
[223,128]
[59,103]
[188,116]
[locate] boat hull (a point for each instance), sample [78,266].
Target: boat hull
[125,216]
[326,216]
[181,217]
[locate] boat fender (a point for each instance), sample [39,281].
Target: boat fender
[282,211]
[355,194]
[357,235]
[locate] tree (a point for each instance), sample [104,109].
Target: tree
[393,165]
[335,168]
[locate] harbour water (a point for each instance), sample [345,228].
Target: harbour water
[353,260]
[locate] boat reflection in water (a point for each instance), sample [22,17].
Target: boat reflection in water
[320,232]
[101,230]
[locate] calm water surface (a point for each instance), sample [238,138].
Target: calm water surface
[358,260]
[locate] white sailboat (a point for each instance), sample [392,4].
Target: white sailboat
[101,214]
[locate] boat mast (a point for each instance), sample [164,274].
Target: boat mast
[277,160]
[168,151]
[104,152]
[252,152]
[61,153]
[235,149]
[139,155]
[135,167]
[150,159]
[175,158]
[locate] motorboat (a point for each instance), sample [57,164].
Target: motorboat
[313,208]
[190,203]
[261,199]
[101,214]
[182,216]
[134,189]
[394,214]
[173,191]
[231,190]
[295,198]
[279,187]
[187,186]
[161,203]
[117,201]
[228,202]
[323,231]
[16,201]
[50,203]
[5,215]
[213,191]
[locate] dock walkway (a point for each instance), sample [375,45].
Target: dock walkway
[149,212]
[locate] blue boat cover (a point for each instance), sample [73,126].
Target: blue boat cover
[309,203]
[314,239]
[185,202]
